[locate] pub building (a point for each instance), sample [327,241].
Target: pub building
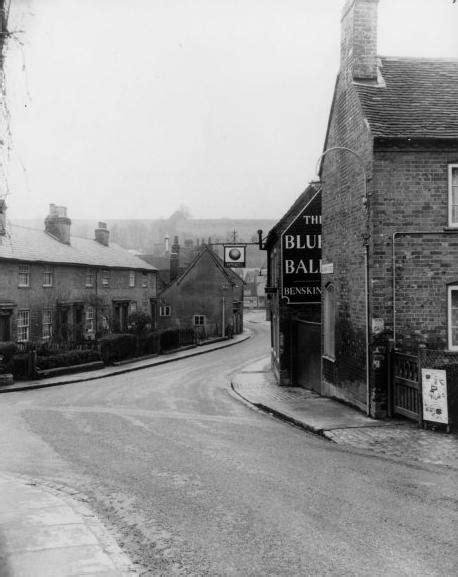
[294,292]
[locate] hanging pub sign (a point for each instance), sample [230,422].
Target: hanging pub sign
[234,255]
[301,256]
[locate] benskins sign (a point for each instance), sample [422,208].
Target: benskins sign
[301,256]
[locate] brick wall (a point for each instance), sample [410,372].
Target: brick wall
[201,292]
[344,227]
[69,285]
[410,193]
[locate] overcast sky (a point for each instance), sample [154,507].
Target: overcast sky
[129,109]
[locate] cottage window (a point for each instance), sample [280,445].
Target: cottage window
[453,317]
[47,323]
[105,278]
[133,307]
[199,320]
[329,314]
[453,195]
[23,325]
[90,319]
[90,277]
[48,277]
[24,275]
[144,280]
[131,278]
[165,311]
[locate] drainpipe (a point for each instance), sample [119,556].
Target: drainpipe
[366,261]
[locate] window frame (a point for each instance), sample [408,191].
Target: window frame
[165,311]
[25,272]
[200,324]
[451,169]
[90,278]
[132,279]
[25,326]
[106,277]
[47,322]
[48,270]
[145,279]
[90,319]
[329,322]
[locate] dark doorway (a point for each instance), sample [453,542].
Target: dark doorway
[5,327]
[307,355]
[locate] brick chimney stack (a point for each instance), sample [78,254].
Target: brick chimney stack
[57,224]
[174,259]
[359,40]
[102,234]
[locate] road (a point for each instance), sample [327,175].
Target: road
[192,482]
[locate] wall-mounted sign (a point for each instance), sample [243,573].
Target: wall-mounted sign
[327,268]
[434,392]
[378,326]
[301,256]
[234,255]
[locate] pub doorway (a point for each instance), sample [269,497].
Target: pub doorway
[306,351]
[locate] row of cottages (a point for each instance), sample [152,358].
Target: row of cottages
[54,285]
[389,193]
[205,296]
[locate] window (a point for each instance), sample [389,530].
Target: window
[165,311]
[47,323]
[90,277]
[105,278]
[48,276]
[131,278]
[453,195]
[24,275]
[90,320]
[329,314]
[23,325]
[199,320]
[144,280]
[132,307]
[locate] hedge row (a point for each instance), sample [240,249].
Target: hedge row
[67,359]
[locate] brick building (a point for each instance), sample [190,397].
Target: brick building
[391,259]
[294,292]
[206,296]
[54,285]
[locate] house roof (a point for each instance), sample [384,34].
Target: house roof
[292,212]
[31,245]
[420,99]
[232,277]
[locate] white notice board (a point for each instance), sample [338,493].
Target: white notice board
[434,389]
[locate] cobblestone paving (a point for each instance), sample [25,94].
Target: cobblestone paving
[394,439]
[403,442]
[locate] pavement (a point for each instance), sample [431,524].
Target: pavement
[395,438]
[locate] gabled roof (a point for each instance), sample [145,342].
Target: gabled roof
[420,99]
[292,212]
[231,276]
[30,245]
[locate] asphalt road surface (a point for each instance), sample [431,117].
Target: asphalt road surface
[192,482]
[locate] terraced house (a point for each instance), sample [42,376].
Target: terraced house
[54,285]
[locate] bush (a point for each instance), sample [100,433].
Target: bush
[148,344]
[20,365]
[139,322]
[116,347]
[67,359]
[170,339]
[7,350]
